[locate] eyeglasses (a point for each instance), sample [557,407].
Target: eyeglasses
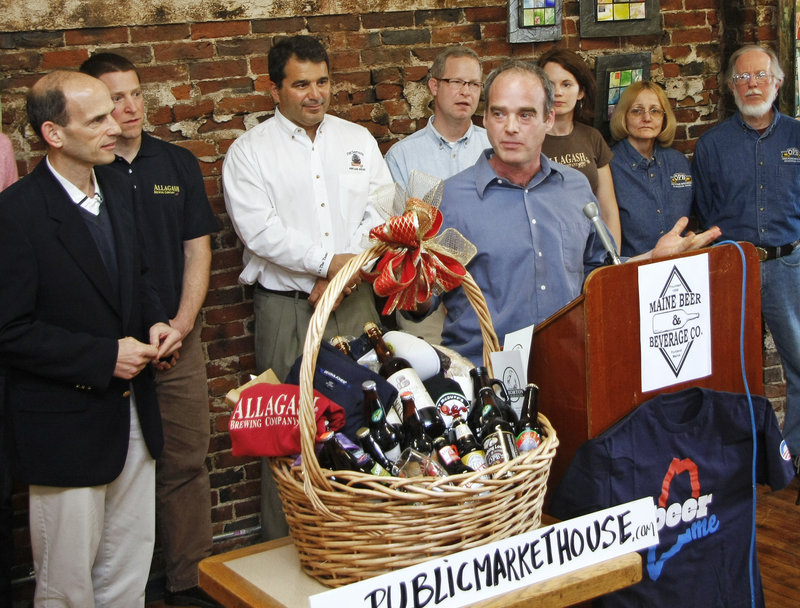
[457,83]
[654,112]
[759,77]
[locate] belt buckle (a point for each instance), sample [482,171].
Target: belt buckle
[762,254]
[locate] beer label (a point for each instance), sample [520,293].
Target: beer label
[475,460]
[379,470]
[408,380]
[528,440]
[499,447]
[452,406]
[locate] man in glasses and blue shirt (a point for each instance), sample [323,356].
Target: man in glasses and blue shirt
[450,142]
[747,181]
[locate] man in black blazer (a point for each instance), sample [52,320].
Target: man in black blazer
[79,325]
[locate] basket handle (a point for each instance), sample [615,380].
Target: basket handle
[312,473]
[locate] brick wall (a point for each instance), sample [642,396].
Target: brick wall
[205,83]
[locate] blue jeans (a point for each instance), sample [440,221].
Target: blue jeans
[780,305]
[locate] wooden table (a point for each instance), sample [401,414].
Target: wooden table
[268,575]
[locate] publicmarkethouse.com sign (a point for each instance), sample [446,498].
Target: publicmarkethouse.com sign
[477,574]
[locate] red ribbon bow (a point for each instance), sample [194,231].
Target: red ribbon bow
[415,267]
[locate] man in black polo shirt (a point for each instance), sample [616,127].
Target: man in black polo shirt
[177,220]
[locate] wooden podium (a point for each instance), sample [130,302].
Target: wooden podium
[586,357]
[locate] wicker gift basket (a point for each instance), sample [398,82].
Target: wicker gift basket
[348,526]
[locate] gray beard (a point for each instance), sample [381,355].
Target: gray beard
[755,111]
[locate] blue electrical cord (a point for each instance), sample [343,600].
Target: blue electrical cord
[751,559]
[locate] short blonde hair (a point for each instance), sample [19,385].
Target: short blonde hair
[619,128]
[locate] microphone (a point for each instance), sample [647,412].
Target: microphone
[591,211]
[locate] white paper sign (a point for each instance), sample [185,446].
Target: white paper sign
[502,566]
[674,321]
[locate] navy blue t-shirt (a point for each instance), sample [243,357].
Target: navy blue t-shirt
[692,452]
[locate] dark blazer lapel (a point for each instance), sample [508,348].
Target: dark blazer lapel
[74,235]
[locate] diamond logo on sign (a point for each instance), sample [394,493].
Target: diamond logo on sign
[674,321]
[673,330]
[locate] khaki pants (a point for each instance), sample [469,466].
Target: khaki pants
[183,492]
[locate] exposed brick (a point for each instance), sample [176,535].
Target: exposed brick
[406,37]
[53,60]
[386,75]
[26,60]
[415,73]
[177,51]
[684,19]
[113,35]
[328,23]
[211,125]
[185,111]
[456,34]
[183,91]
[227,348]
[242,84]
[388,91]
[163,73]
[344,61]
[221,68]
[243,46]
[239,105]
[372,21]
[220,29]
[382,56]
[438,17]
[485,13]
[34,40]
[157,33]
[278,26]
[700,34]
[353,79]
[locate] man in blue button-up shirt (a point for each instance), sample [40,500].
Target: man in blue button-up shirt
[747,181]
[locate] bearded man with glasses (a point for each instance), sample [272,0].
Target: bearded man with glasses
[747,172]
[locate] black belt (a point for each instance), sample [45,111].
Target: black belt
[771,253]
[297,295]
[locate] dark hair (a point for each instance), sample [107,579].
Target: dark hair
[47,102]
[104,63]
[525,67]
[304,48]
[575,65]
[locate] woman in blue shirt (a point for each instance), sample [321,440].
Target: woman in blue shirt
[652,181]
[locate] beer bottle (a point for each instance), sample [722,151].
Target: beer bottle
[381,422]
[370,445]
[497,435]
[486,406]
[398,371]
[343,345]
[448,457]
[414,435]
[480,379]
[470,451]
[328,456]
[354,458]
[528,432]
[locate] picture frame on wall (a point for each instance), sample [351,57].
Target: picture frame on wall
[605,18]
[613,73]
[534,20]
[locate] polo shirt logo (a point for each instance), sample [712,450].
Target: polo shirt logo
[681,180]
[170,190]
[356,160]
[791,155]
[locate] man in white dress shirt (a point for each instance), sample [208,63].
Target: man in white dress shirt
[300,191]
